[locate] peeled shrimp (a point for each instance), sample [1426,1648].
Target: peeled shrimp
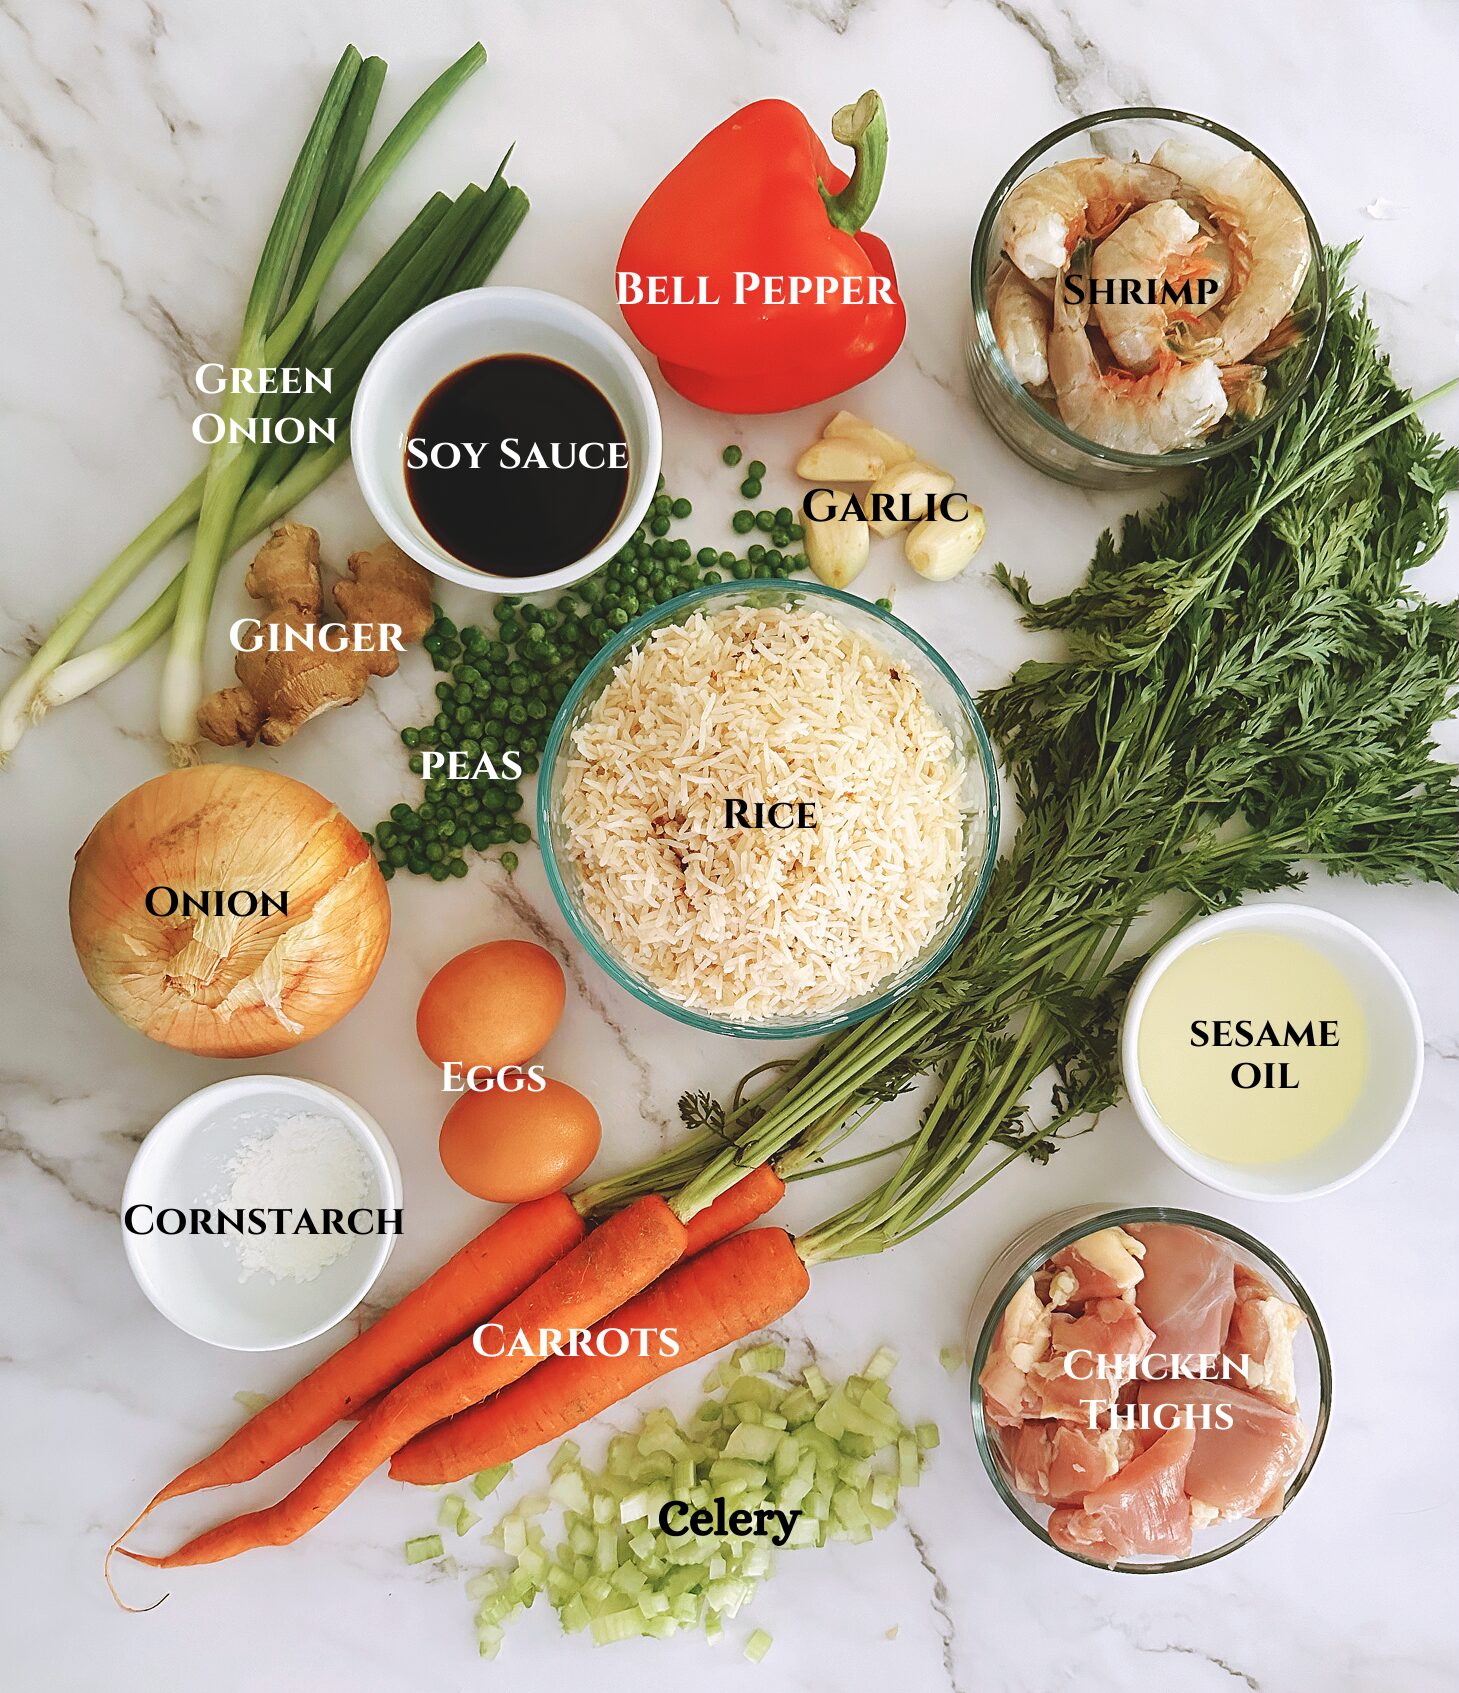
[1265,227]
[1174,406]
[1159,243]
[1021,325]
[1049,213]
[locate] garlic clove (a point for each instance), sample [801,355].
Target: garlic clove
[940,548]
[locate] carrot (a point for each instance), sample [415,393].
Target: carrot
[751,1197]
[748,1199]
[728,1292]
[496,1266]
[614,1262]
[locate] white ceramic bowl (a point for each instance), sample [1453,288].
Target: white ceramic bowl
[479,324]
[1395,1036]
[195,1280]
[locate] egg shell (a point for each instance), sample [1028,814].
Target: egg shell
[493,1005]
[509,1147]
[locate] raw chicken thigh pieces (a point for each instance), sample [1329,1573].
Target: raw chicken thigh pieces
[1142,1383]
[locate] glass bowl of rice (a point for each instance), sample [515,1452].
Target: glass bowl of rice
[768,809]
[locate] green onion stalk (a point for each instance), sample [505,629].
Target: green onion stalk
[228,462]
[424,263]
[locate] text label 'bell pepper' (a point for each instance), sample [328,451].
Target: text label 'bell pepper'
[747,273]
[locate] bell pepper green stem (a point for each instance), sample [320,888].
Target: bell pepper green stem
[864,127]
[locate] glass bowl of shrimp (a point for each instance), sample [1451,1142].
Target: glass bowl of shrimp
[1147,292]
[1150,1386]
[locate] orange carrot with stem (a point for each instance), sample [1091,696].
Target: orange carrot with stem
[614,1261]
[710,1301]
[748,1199]
[754,1195]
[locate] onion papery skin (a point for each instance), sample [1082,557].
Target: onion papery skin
[228,986]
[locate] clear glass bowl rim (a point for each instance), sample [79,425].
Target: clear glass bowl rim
[583,931]
[983,242]
[1118,1217]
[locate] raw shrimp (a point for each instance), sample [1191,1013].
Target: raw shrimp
[1158,244]
[1174,406]
[1049,213]
[1266,229]
[1020,317]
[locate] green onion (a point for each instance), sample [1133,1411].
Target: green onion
[227,465]
[285,474]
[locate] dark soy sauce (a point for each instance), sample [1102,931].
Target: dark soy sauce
[550,472]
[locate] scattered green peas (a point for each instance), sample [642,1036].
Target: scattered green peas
[499,690]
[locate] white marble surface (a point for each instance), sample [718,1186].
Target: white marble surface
[144,146]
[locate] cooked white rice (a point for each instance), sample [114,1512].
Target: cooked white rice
[768,703]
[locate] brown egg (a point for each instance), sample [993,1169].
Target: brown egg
[496,1004]
[509,1147]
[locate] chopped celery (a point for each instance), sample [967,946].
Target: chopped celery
[423,1548]
[450,1512]
[755,1358]
[835,1455]
[883,1362]
[486,1482]
[952,1359]
[757,1645]
[754,1442]
[253,1403]
[908,1466]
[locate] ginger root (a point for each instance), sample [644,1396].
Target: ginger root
[280,690]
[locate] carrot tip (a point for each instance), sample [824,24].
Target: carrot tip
[135,1610]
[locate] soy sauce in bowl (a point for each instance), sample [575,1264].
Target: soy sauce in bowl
[516,465]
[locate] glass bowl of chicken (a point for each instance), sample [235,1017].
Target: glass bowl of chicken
[1150,1387]
[1148,292]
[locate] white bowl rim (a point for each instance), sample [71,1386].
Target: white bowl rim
[241,1088]
[1290,916]
[510,303]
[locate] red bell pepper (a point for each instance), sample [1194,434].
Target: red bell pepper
[758,198]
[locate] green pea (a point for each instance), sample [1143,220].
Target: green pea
[713,576]
[756,469]
[750,487]
[765,521]
[743,522]
[681,508]
[732,454]
[521,833]
[509,862]
[742,570]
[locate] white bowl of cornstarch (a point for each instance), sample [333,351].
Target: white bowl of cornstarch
[260,1211]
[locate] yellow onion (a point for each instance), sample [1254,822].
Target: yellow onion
[224,984]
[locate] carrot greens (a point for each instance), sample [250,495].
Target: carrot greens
[1250,690]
